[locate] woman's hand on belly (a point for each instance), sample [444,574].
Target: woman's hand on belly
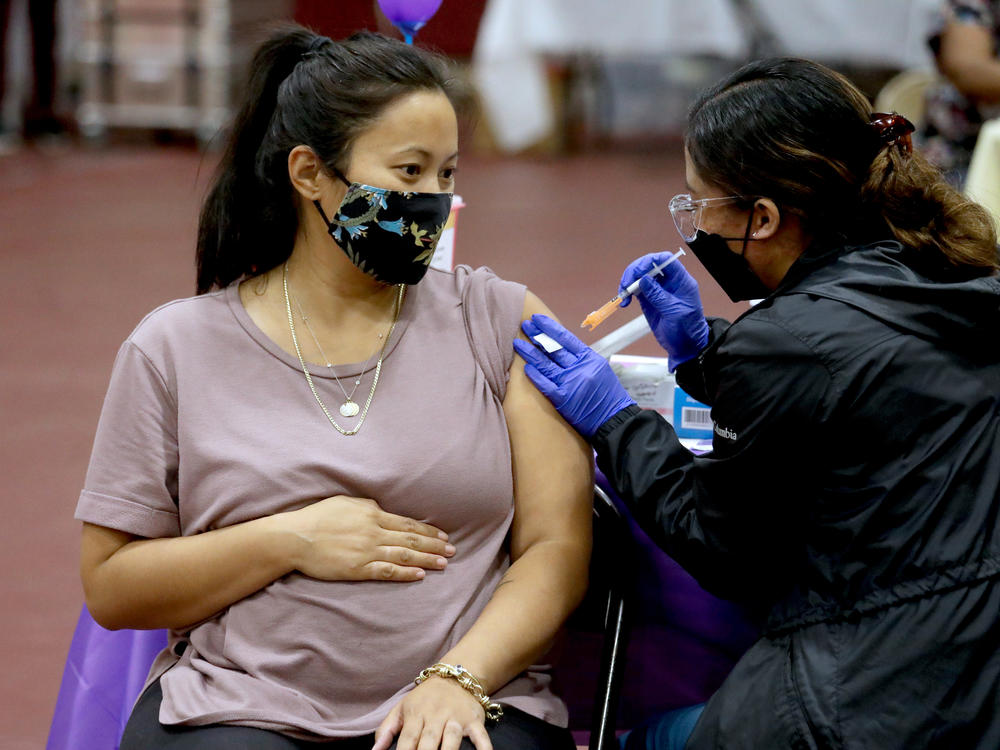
[436,714]
[352,539]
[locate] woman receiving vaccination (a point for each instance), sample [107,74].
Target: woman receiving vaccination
[326,474]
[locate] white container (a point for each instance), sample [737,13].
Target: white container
[648,381]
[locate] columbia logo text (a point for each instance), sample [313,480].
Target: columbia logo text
[725,432]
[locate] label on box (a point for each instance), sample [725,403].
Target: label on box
[692,419]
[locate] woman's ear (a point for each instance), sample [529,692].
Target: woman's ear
[766,219]
[305,171]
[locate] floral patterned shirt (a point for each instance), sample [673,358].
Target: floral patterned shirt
[952,120]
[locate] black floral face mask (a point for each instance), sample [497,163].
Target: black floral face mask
[389,234]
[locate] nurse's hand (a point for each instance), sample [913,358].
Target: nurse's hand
[437,713]
[577,380]
[672,306]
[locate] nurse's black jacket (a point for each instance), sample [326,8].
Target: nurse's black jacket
[853,492]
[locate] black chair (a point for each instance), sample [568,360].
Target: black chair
[612,540]
[602,618]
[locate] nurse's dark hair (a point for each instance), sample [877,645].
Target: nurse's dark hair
[800,134]
[303,89]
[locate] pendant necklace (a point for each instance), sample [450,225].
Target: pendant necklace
[349,408]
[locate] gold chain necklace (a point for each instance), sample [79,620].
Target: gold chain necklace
[349,408]
[305,369]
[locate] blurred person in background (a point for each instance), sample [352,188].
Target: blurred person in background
[38,118]
[853,489]
[392,568]
[965,45]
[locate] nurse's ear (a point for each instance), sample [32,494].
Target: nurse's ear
[766,219]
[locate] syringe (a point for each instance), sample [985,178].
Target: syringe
[606,310]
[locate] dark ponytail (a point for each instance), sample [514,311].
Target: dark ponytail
[304,89]
[801,134]
[923,210]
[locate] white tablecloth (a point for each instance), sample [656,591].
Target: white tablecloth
[515,36]
[890,33]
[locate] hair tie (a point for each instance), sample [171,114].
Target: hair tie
[893,128]
[317,44]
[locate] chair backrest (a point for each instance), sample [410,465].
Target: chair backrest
[982,184]
[104,673]
[905,92]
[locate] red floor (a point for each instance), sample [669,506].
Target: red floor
[92,240]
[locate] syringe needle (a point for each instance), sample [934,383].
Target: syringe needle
[606,310]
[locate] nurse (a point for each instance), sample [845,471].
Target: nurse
[853,490]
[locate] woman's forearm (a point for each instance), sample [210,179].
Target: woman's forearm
[977,79]
[968,60]
[176,582]
[538,592]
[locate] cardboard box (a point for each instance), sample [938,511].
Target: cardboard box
[691,419]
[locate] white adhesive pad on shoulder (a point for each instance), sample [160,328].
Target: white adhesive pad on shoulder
[548,343]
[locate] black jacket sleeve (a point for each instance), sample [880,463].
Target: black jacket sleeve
[733,518]
[691,375]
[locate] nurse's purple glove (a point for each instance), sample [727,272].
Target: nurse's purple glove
[671,305]
[577,380]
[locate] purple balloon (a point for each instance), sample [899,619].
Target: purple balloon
[409,16]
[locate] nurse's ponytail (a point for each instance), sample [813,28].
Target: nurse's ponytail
[923,210]
[303,89]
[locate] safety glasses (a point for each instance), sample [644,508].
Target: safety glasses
[686,212]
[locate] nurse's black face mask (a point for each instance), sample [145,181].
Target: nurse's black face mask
[730,271]
[389,234]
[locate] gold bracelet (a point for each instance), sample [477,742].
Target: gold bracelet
[466,679]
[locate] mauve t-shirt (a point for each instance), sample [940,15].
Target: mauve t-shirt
[208,423]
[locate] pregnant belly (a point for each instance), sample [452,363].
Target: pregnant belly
[346,644]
